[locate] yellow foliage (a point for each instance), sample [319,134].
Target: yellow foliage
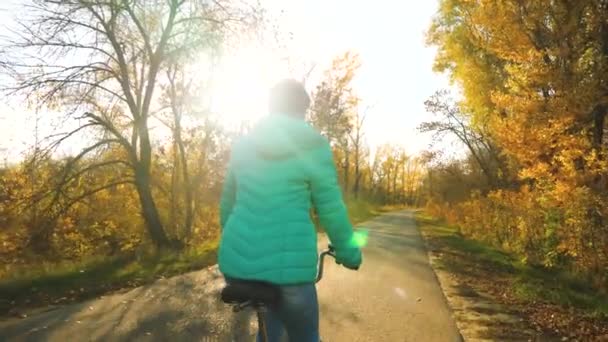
[537,73]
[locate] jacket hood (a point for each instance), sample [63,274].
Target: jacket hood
[280,136]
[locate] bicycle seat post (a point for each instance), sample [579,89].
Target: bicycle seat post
[261,296]
[261,313]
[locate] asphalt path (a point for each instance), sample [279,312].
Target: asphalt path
[395,296]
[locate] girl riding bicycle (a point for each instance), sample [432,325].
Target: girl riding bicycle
[276,173]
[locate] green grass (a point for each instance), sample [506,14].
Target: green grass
[361,210]
[48,283]
[530,283]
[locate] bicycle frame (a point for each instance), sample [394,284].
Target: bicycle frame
[261,311]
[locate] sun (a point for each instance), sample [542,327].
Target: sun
[241,85]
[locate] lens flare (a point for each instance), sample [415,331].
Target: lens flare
[359,238]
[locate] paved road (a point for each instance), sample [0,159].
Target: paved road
[394,297]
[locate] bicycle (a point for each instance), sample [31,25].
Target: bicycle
[261,296]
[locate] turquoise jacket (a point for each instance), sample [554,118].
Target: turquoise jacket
[275,174]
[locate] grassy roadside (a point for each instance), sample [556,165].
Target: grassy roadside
[552,300]
[361,210]
[48,284]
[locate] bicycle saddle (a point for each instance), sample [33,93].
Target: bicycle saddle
[248,292]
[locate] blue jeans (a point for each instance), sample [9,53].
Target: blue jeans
[298,314]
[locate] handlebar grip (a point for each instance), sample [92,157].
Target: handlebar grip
[356,268]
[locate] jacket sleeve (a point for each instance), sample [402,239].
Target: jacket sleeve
[228,196]
[329,204]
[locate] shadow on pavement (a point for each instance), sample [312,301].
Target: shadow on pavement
[185,308]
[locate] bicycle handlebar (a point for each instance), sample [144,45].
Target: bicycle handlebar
[329,251]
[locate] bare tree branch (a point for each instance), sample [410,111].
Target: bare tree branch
[142,30]
[114,131]
[125,47]
[74,200]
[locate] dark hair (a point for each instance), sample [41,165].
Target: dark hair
[289,97]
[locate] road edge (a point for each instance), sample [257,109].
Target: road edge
[474,312]
[440,276]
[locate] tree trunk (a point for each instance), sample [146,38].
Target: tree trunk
[149,210]
[174,188]
[200,173]
[346,168]
[387,195]
[357,181]
[357,168]
[187,186]
[395,185]
[179,158]
[599,118]
[407,182]
[40,238]
[144,190]
[599,122]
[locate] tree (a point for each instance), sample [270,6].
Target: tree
[333,107]
[105,59]
[535,82]
[356,140]
[548,80]
[178,91]
[477,140]
[333,100]
[387,172]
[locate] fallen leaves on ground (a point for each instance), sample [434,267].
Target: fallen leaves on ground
[569,324]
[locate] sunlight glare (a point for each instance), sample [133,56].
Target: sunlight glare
[241,87]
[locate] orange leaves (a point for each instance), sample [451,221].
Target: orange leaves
[536,72]
[496,26]
[544,76]
[542,226]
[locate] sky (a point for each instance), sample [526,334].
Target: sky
[395,77]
